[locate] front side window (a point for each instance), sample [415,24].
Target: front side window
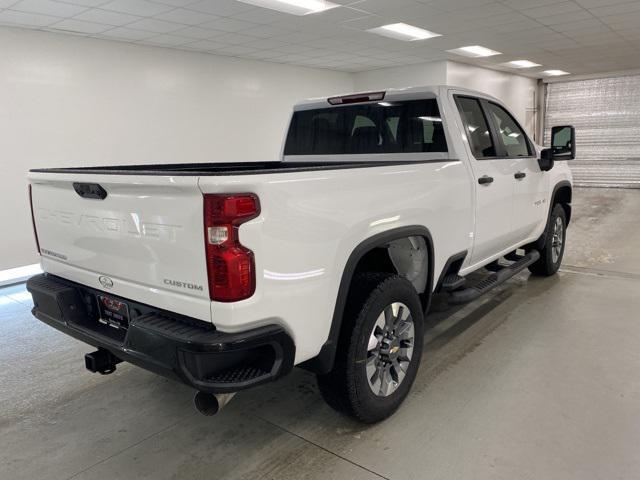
[477,127]
[385,127]
[513,138]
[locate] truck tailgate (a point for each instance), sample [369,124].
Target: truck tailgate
[143,241]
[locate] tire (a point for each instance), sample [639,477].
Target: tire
[553,251]
[375,303]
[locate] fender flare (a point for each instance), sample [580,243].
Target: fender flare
[323,362]
[559,185]
[540,243]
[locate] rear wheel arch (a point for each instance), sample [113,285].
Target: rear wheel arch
[365,255]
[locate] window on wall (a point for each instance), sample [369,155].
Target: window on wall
[386,127]
[478,133]
[512,136]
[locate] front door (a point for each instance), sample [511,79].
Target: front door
[530,205]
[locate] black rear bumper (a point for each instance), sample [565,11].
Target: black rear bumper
[177,347]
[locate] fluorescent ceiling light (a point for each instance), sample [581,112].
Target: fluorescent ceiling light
[403,31]
[556,73]
[522,64]
[474,51]
[294,7]
[430,119]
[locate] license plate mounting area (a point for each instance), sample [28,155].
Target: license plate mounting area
[113,312]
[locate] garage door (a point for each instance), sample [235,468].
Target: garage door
[606,114]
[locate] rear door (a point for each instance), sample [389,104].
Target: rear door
[530,183]
[494,180]
[143,241]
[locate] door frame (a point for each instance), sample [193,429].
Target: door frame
[502,161]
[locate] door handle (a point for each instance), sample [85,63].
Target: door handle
[485,180]
[520,175]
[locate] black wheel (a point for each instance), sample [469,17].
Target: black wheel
[551,254]
[379,348]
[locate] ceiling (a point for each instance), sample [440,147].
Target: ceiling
[579,36]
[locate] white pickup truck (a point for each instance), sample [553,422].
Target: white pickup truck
[226,275]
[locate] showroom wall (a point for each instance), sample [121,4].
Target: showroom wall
[516,91]
[432,73]
[75,101]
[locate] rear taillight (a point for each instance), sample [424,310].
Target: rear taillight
[33,219]
[230,265]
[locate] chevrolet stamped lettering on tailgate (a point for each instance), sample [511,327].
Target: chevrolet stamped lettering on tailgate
[131,226]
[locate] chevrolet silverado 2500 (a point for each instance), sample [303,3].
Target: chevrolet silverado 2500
[226,275]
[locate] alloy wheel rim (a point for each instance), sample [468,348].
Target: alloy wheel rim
[557,240]
[390,349]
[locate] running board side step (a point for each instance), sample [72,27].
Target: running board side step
[469,294]
[453,281]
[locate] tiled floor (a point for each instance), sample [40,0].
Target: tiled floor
[538,380]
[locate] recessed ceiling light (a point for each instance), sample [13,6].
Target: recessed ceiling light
[403,31]
[556,73]
[522,64]
[474,51]
[294,7]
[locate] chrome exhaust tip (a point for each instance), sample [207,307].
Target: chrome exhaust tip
[209,404]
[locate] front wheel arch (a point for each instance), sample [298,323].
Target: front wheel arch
[552,253]
[561,195]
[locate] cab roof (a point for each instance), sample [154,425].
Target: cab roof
[390,94]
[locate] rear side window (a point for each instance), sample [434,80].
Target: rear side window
[386,127]
[477,127]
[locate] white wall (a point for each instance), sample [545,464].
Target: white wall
[432,73]
[516,91]
[70,101]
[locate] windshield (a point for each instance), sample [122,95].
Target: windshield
[383,127]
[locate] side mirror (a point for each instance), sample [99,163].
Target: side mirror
[563,147]
[563,142]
